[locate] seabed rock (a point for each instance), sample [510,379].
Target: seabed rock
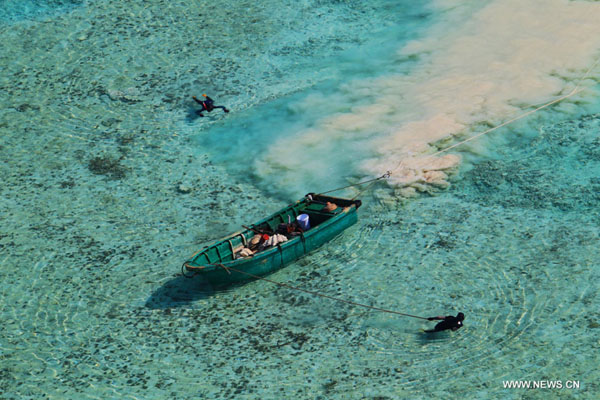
[106,165]
[183,189]
[129,95]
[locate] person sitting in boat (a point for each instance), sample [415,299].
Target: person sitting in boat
[274,240]
[257,240]
[207,104]
[448,322]
[329,207]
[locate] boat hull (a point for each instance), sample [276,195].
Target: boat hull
[275,258]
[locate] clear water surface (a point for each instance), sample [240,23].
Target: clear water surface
[110,181]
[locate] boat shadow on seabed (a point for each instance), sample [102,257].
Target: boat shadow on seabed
[180,292]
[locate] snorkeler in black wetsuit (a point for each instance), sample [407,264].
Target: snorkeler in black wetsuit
[207,104]
[448,322]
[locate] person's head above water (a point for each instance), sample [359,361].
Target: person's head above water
[460,316]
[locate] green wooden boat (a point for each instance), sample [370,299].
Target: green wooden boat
[220,263]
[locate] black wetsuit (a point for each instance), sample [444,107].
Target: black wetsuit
[448,322]
[207,104]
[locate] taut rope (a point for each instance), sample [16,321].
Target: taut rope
[229,269]
[384,176]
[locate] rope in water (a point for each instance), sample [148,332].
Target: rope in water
[576,90]
[384,176]
[528,113]
[285,285]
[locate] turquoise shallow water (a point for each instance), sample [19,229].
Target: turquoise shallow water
[110,183]
[19,10]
